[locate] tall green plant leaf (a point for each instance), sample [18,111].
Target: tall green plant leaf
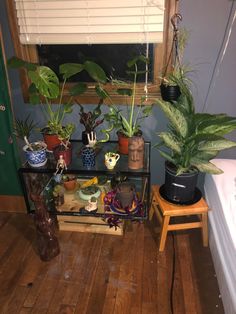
[70,69]
[176,118]
[46,81]
[206,167]
[217,145]
[95,71]
[170,141]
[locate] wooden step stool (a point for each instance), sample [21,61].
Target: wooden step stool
[164,210]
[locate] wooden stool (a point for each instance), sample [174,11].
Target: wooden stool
[165,210]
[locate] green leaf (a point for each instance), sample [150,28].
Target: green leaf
[68,108]
[34,99]
[217,145]
[206,155]
[167,156]
[176,118]
[206,167]
[70,69]
[78,89]
[170,141]
[124,91]
[95,71]
[46,81]
[16,63]
[101,92]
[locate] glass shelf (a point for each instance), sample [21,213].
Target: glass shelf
[43,179]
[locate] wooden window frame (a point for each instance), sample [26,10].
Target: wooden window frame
[161,53]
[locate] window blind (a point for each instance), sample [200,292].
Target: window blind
[90,21]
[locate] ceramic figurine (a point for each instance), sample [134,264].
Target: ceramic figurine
[92,207]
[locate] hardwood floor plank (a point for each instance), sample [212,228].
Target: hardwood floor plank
[191,300]
[125,283]
[88,278]
[105,274]
[114,267]
[102,276]
[150,289]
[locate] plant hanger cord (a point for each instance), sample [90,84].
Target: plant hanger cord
[174,47]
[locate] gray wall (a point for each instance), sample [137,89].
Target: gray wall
[212,58]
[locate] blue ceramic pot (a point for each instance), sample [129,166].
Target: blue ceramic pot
[88,157]
[38,157]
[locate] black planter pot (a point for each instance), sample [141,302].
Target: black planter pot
[169,92]
[182,188]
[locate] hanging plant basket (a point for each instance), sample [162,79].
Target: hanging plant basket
[170,92]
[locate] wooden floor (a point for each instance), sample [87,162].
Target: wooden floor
[106,274]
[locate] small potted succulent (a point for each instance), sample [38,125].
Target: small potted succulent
[90,121]
[69,182]
[35,152]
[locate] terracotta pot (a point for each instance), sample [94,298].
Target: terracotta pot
[123,142]
[66,153]
[70,185]
[51,140]
[136,152]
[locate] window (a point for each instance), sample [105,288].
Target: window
[32,52]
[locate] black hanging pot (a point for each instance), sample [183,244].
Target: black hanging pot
[182,188]
[170,92]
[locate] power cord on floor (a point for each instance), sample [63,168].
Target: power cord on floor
[173,275]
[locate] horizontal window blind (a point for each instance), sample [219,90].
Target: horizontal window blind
[90,21]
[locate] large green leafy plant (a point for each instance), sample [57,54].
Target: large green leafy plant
[193,139]
[128,119]
[46,89]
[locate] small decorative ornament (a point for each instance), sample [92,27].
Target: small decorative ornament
[111,160]
[61,165]
[92,206]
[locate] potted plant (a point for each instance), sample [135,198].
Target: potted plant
[65,147]
[35,152]
[90,121]
[191,141]
[69,182]
[24,127]
[172,78]
[46,88]
[127,121]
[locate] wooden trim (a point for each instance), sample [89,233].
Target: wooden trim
[12,203]
[161,53]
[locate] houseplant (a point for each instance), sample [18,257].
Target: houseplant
[127,121]
[46,89]
[191,141]
[35,152]
[90,121]
[178,72]
[64,148]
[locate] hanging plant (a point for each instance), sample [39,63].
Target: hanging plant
[171,82]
